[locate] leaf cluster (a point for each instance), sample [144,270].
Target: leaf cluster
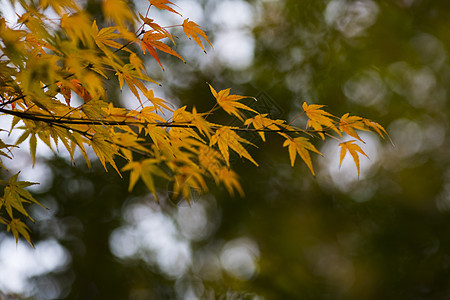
[44,62]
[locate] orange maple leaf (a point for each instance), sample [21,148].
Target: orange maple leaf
[150,41]
[353,149]
[156,27]
[191,29]
[164,5]
[77,87]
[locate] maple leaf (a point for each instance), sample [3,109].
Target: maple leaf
[226,138]
[260,122]
[377,128]
[348,124]
[229,103]
[147,115]
[194,118]
[353,149]
[37,45]
[158,136]
[163,5]
[128,142]
[118,10]
[59,6]
[200,123]
[104,150]
[15,195]
[318,119]
[231,181]
[105,37]
[76,86]
[144,170]
[131,76]
[76,139]
[210,160]
[136,62]
[17,227]
[156,27]
[150,42]
[158,103]
[191,29]
[188,178]
[301,146]
[77,27]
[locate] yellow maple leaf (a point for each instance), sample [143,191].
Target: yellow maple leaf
[78,28]
[118,10]
[188,178]
[60,6]
[147,115]
[229,103]
[348,124]
[158,103]
[191,29]
[374,126]
[106,37]
[231,181]
[17,227]
[260,123]
[193,118]
[226,138]
[104,150]
[301,146]
[144,170]
[353,149]
[211,161]
[319,119]
[133,78]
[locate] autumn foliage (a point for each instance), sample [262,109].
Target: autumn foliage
[45,62]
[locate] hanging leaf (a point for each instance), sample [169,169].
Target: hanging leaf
[150,42]
[191,29]
[18,228]
[164,5]
[226,138]
[353,149]
[301,146]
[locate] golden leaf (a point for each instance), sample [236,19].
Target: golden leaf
[191,29]
[319,119]
[301,146]
[226,138]
[229,103]
[353,149]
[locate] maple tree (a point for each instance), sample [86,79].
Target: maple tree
[47,60]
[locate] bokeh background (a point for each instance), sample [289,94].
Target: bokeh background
[384,235]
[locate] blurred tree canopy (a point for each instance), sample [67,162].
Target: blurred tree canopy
[382,235]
